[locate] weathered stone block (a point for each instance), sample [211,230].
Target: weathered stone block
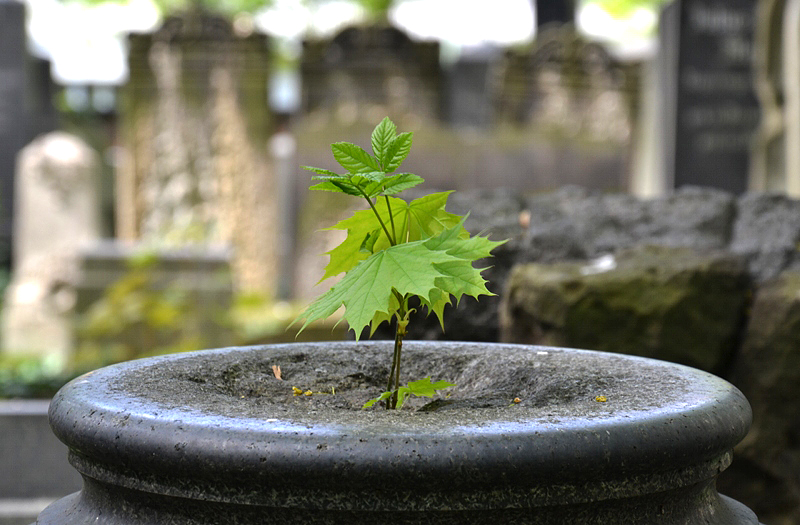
[194,121]
[572,223]
[132,302]
[675,304]
[767,370]
[767,231]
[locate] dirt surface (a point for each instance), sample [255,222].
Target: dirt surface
[548,382]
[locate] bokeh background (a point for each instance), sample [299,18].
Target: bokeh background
[642,156]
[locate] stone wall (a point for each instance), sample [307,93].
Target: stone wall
[699,277]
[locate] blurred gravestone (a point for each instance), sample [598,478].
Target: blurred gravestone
[569,87]
[13,133]
[709,107]
[56,214]
[365,67]
[196,126]
[468,96]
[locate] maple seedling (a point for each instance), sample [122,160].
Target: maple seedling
[394,251]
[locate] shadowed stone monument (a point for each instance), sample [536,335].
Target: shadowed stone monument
[13,131]
[709,107]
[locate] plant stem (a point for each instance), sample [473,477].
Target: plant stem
[392,239]
[391,216]
[401,319]
[391,403]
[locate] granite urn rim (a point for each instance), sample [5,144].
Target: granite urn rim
[131,441]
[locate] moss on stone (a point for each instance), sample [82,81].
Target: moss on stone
[669,303]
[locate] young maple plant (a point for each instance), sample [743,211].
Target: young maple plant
[394,251]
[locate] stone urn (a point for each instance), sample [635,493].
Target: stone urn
[529,435]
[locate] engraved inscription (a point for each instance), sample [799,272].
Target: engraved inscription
[717,112]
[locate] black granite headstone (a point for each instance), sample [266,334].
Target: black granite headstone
[13,128]
[710,107]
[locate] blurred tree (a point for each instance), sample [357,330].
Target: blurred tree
[167,7]
[563,11]
[376,8]
[626,8]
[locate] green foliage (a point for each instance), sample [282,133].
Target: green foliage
[170,7]
[138,316]
[421,388]
[625,8]
[376,8]
[32,377]
[395,250]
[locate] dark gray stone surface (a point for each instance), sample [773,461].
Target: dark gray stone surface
[13,125]
[574,224]
[33,463]
[767,231]
[669,303]
[767,369]
[30,451]
[213,437]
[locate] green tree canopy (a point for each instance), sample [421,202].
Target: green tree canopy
[625,8]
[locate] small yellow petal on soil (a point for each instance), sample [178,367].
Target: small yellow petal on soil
[297,391]
[517,400]
[601,399]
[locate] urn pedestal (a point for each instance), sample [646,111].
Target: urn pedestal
[530,435]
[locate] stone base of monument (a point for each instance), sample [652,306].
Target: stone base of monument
[196,281]
[33,462]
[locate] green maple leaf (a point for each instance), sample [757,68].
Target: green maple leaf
[369,290]
[370,175]
[397,151]
[366,289]
[421,219]
[422,388]
[425,388]
[353,158]
[390,149]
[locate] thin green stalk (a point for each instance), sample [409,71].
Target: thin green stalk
[391,216]
[394,373]
[392,240]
